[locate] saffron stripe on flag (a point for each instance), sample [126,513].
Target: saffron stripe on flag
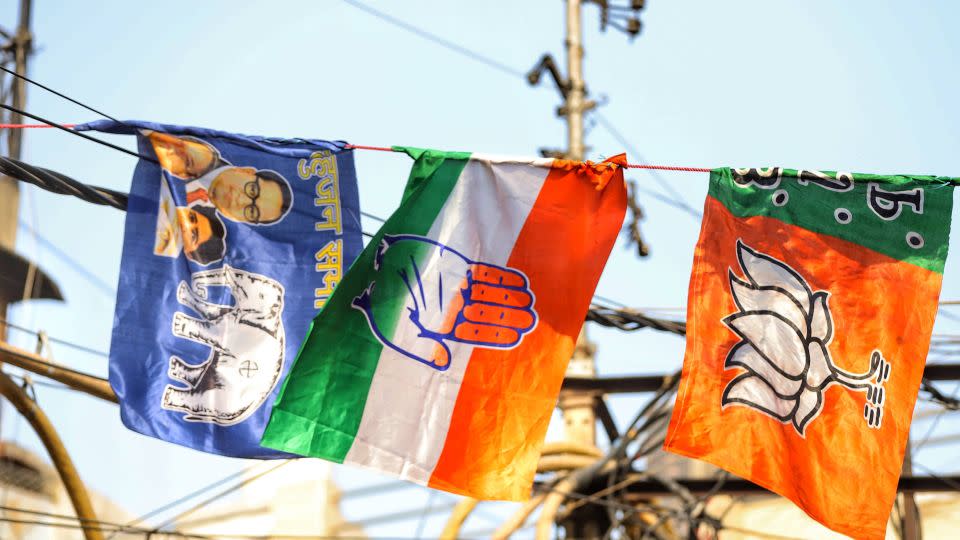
[507,397]
[484,214]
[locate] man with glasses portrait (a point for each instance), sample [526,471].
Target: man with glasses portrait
[243,194]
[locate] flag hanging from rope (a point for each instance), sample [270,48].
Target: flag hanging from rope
[811,304]
[440,356]
[232,244]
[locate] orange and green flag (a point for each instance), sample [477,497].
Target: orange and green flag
[811,304]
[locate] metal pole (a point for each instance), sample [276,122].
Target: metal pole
[575,95]
[9,188]
[58,454]
[910,526]
[577,407]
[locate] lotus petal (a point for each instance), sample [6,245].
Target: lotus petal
[821,323]
[765,271]
[750,390]
[750,298]
[808,407]
[773,337]
[745,356]
[819,371]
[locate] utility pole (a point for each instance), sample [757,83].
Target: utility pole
[577,407]
[588,521]
[15,52]
[910,524]
[23,280]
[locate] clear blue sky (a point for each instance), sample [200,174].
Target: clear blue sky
[867,86]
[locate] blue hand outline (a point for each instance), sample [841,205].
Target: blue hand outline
[462,301]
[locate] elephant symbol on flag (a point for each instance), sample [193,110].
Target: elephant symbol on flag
[425,296]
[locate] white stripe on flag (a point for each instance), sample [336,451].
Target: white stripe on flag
[409,405]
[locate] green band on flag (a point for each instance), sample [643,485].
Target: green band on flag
[898,216]
[321,419]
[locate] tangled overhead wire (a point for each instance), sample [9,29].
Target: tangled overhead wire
[948,402]
[624,319]
[636,216]
[631,320]
[62,184]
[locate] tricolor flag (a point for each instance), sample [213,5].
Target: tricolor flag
[811,304]
[440,355]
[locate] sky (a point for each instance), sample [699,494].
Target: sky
[864,86]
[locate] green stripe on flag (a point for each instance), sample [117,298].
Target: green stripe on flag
[918,234]
[319,407]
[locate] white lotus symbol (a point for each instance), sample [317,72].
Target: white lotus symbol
[785,329]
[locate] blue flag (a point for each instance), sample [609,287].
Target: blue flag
[232,244]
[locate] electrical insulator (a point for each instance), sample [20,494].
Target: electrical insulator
[633,26]
[636,5]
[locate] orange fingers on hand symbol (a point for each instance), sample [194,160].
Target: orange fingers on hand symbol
[492,294]
[486,333]
[498,315]
[493,275]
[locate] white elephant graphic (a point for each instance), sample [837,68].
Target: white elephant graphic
[246,343]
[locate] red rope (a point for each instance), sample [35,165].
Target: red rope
[666,168]
[389,149]
[628,165]
[362,147]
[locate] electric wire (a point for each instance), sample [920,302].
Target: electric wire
[456,48]
[933,474]
[75,265]
[180,500]
[103,526]
[77,133]
[934,423]
[58,341]
[219,495]
[53,365]
[676,198]
[52,91]
[429,36]
[76,522]
[623,319]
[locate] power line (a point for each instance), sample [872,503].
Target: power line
[373,217]
[58,341]
[936,421]
[219,495]
[76,265]
[59,183]
[103,526]
[183,499]
[434,38]
[78,133]
[676,198]
[52,91]
[62,184]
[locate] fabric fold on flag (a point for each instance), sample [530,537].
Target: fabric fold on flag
[441,354]
[811,305]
